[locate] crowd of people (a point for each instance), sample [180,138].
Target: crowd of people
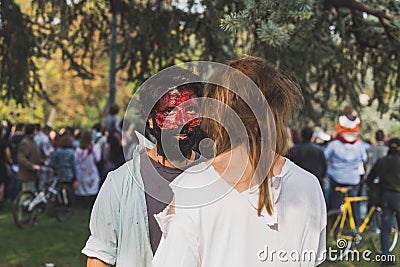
[77,157]
[180,218]
[230,210]
[362,166]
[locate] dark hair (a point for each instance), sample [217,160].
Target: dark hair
[30,129]
[20,127]
[85,139]
[181,80]
[69,130]
[379,135]
[347,110]
[97,127]
[296,136]
[113,109]
[46,128]
[307,133]
[37,126]
[64,141]
[394,145]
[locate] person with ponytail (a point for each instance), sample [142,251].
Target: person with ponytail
[248,202]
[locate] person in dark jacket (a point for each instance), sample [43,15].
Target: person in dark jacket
[308,155]
[5,160]
[28,158]
[388,171]
[14,185]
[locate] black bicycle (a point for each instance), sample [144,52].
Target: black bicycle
[29,204]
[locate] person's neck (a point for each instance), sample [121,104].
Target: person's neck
[235,168]
[152,153]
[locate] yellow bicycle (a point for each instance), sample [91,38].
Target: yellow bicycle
[342,234]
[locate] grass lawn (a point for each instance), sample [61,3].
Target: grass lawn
[48,242]
[60,243]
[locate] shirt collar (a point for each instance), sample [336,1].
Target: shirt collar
[144,143]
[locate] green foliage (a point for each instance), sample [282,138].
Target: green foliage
[18,72]
[151,35]
[330,46]
[273,34]
[275,22]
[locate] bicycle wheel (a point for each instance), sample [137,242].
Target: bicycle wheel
[375,228]
[23,218]
[337,247]
[62,205]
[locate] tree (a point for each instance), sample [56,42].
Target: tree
[151,35]
[337,49]
[333,48]
[18,73]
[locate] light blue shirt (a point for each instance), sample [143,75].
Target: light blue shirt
[344,161]
[119,232]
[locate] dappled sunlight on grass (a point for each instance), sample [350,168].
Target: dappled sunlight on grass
[49,241]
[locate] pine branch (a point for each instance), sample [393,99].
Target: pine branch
[382,15]
[354,5]
[389,31]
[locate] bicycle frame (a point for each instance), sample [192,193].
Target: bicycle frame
[42,197]
[341,226]
[348,211]
[29,204]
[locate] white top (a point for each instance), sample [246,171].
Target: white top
[86,170]
[215,225]
[119,232]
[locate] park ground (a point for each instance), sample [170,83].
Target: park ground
[60,243]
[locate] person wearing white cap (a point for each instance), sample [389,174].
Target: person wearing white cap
[345,155]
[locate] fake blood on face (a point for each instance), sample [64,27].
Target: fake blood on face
[176,109]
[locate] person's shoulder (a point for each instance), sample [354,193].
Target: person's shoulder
[387,158]
[294,149]
[123,177]
[335,142]
[194,176]
[24,142]
[197,187]
[315,146]
[299,176]
[121,173]
[302,186]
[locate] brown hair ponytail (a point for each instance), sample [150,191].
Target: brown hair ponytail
[284,97]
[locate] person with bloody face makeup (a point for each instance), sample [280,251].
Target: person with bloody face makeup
[176,116]
[123,229]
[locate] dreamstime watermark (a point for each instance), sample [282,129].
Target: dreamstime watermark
[342,252]
[272,255]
